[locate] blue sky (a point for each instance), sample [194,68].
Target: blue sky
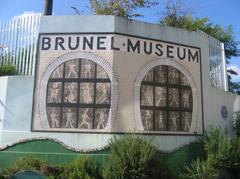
[223,12]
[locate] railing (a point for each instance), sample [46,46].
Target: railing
[217,62]
[18,40]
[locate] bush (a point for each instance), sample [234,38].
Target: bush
[217,147]
[25,163]
[7,70]
[199,170]
[132,157]
[236,122]
[82,167]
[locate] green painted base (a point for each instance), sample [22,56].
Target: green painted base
[56,154]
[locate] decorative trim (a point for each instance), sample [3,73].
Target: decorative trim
[4,147]
[22,141]
[137,86]
[76,55]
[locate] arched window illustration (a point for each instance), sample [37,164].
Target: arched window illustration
[166,100]
[78,96]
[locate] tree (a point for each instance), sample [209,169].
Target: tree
[122,8]
[177,16]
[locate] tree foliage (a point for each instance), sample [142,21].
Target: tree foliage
[7,70]
[177,16]
[122,8]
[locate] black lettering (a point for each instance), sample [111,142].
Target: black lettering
[112,44]
[46,43]
[87,42]
[131,47]
[179,55]
[159,50]
[59,43]
[170,51]
[192,57]
[70,43]
[100,42]
[147,51]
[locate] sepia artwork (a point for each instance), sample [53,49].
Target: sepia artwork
[173,76]
[70,92]
[146,95]
[163,96]
[69,117]
[161,74]
[174,120]
[54,92]
[187,118]
[78,96]
[58,73]
[85,118]
[160,96]
[184,80]
[87,69]
[186,98]
[101,118]
[147,117]
[103,93]
[101,73]
[173,97]
[148,76]
[161,120]
[72,69]
[86,93]
[54,117]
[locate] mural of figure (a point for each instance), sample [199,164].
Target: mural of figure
[86,93]
[69,117]
[186,97]
[174,117]
[53,117]
[185,81]
[56,73]
[72,71]
[148,76]
[54,92]
[101,120]
[148,124]
[103,90]
[87,70]
[85,120]
[161,74]
[71,98]
[148,95]
[172,76]
[160,122]
[188,118]
[161,97]
[101,73]
[174,99]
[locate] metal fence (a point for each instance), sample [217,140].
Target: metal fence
[18,39]
[217,62]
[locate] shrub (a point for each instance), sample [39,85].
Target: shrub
[233,164]
[199,170]
[132,157]
[82,167]
[217,147]
[7,70]
[236,123]
[25,163]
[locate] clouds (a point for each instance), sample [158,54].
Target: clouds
[236,68]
